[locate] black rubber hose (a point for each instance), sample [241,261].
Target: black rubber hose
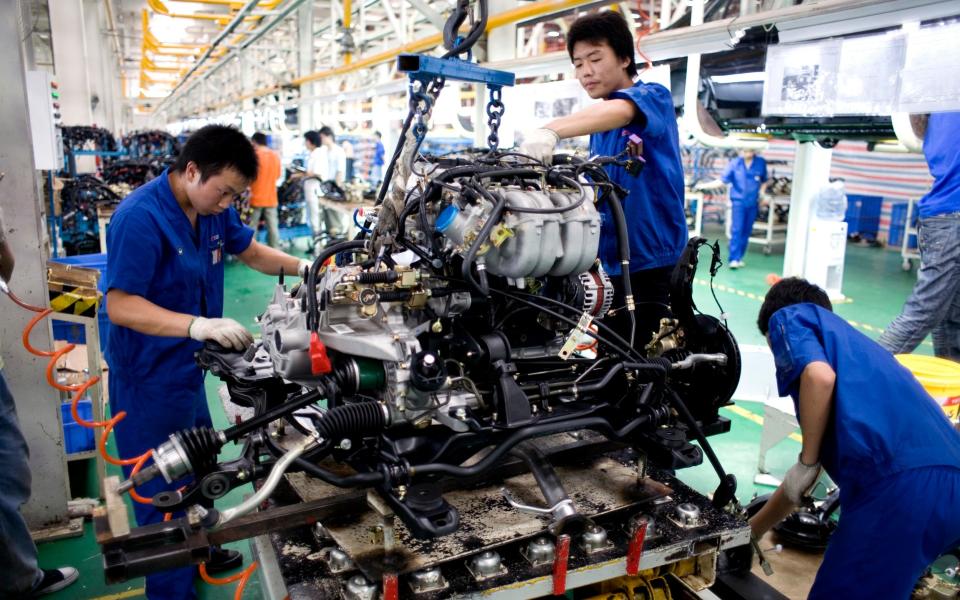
[623,242]
[388,174]
[313,311]
[378,277]
[492,220]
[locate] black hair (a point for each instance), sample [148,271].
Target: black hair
[377,133]
[313,137]
[217,147]
[328,132]
[259,138]
[787,292]
[606,26]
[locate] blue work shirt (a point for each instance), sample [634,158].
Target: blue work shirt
[154,252]
[378,154]
[883,422]
[942,152]
[745,181]
[656,225]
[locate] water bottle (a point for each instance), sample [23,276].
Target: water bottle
[830,203]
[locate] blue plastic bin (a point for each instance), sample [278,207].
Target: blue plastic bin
[863,215]
[76,437]
[71,332]
[898,218]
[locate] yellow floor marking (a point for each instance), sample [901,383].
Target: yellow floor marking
[121,595]
[752,416]
[752,296]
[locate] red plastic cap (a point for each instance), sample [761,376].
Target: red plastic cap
[319,361]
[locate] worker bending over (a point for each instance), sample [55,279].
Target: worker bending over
[880,437]
[168,241]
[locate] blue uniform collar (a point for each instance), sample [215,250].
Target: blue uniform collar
[171,208]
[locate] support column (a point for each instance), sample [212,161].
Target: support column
[811,171]
[100,65]
[38,405]
[71,60]
[305,61]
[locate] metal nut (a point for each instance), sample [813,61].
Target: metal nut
[594,539]
[539,551]
[358,588]
[485,565]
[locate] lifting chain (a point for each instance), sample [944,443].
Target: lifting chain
[495,111]
[422,97]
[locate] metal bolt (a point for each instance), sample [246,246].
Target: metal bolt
[346,444]
[461,413]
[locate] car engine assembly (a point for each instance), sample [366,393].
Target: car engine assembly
[461,341]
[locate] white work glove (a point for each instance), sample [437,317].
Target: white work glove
[304,268]
[226,332]
[799,480]
[539,144]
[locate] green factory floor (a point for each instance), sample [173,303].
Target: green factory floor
[875,287]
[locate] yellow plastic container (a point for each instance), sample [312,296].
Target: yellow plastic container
[940,377]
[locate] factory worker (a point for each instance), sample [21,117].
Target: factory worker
[747,177]
[167,245]
[642,116]
[878,434]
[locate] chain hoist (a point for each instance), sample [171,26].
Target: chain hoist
[423,94]
[495,110]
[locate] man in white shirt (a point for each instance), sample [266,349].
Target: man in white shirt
[327,163]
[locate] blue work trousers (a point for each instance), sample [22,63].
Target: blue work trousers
[154,411]
[934,304]
[742,216]
[18,554]
[889,534]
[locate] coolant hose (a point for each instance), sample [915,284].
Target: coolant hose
[623,242]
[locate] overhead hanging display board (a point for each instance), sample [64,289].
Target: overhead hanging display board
[901,71]
[930,81]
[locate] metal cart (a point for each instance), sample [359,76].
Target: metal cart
[768,233]
[909,254]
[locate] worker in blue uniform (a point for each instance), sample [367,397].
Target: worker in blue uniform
[167,244]
[747,177]
[934,305]
[878,434]
[640,118]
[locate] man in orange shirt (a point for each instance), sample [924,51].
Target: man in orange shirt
[263,191]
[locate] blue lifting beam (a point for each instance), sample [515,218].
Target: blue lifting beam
[424,68]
